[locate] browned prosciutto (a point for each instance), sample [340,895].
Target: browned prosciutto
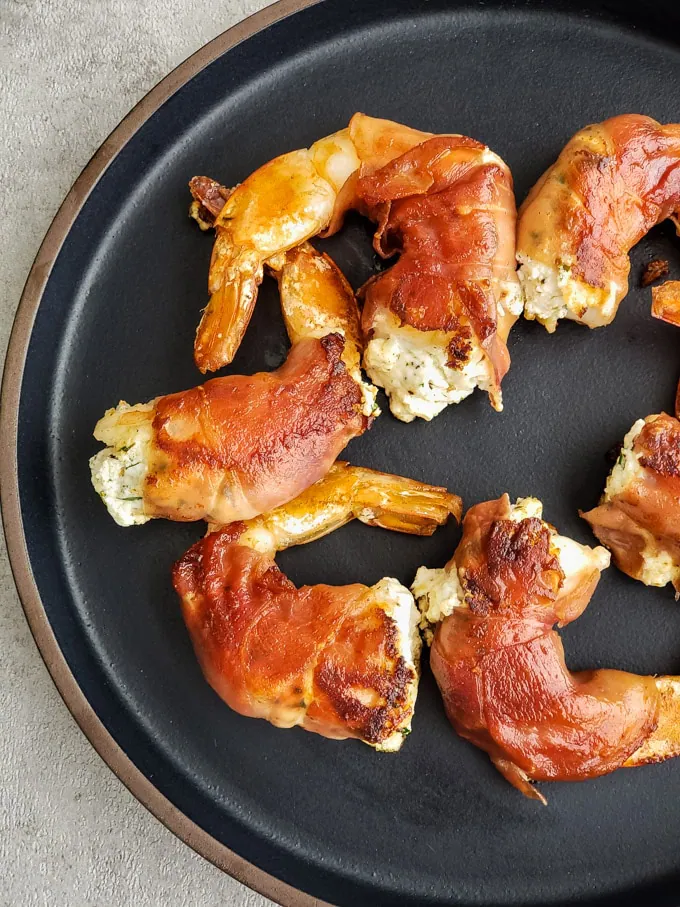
[437,322]
[500,666]
[638,518]
[233,447]
[611,184]
[342,661]
[280,205]
[240,445]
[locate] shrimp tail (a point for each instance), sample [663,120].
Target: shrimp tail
[400,504]
[234,279]
[347,493]
[233,291]
[518,778]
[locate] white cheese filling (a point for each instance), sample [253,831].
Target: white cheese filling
[439,591]
[526,509]
[369,393]
[627,468]
[398,604]
[658,568]
[415,374]
[551,293]
[510,299]
[118,472]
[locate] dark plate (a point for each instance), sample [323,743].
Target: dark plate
[110,311]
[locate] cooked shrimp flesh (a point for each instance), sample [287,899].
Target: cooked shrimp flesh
[283,203]
[342,661]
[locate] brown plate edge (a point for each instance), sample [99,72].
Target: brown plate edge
[173,819]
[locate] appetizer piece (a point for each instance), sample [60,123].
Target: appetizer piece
[342,661]
[437,322]
[638,518]
[238,446]
[283,203]
[500,664]
[610,185]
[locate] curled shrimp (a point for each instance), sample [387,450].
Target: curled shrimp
[610,185]
[285,202]
[238,446]
[500,665]
[342,661]
[435,324]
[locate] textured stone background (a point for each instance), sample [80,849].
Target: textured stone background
[70,834]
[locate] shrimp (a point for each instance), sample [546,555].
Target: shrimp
[638,517]
[317,300]
[285,202]
[341,661]
[610,185]
[500,664]
[436,324]
[238,446]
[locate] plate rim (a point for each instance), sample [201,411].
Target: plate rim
[73,697]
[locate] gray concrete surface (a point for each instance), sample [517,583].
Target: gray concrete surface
[70,833]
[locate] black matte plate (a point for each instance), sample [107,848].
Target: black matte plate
[434,824]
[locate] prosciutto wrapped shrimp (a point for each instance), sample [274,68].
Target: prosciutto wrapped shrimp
[238,446]
[283,203]
[499,662]
[638,518]
[611,184]
[436,323]
[341,661]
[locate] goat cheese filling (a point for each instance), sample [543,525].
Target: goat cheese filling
[399,604]
[627,467]
[119,471]
[551,294]
[414,371]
